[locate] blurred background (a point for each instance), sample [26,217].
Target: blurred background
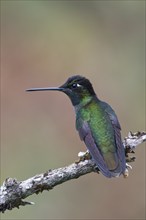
[42,44]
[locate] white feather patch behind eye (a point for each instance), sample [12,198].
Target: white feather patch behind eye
[78,85]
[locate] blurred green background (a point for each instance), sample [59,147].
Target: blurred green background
[42,44]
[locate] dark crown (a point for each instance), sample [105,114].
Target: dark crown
[81,81]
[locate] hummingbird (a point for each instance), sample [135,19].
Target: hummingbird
[97,125]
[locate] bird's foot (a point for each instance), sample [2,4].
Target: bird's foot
[96,170]
[83,156]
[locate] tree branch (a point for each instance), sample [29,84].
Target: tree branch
[12,192]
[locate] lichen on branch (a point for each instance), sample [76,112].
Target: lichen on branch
[12,192]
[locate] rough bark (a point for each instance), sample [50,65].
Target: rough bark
[12,192]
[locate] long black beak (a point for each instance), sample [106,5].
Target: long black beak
[45,89]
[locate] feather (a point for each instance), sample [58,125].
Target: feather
[86,135]
[112,163]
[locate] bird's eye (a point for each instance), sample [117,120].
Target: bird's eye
[75,85]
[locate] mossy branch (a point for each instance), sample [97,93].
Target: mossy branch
[12,192]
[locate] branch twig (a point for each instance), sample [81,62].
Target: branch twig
[12,192]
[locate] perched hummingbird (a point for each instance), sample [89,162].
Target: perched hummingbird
[97,124]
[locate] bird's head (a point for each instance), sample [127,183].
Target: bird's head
[78,88]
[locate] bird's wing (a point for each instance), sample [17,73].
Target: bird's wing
[117,134]
[86,135]
[103,164]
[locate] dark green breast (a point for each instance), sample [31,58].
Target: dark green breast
[97,125]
